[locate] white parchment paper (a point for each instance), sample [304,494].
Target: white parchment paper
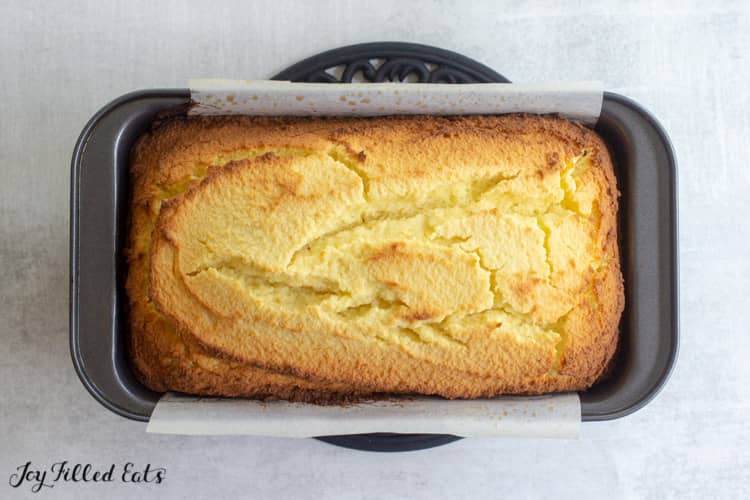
[556,415]
[541,416]
[581,101]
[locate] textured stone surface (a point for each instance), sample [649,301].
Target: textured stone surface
[687,62]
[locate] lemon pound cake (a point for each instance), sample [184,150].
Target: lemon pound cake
[318,259]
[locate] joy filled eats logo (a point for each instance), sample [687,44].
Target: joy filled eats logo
[65,472]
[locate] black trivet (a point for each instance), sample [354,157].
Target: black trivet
[390,61]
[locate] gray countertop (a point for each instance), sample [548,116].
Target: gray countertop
[688,62]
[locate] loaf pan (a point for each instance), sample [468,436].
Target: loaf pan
[646,174]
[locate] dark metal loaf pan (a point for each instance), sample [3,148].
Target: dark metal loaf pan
[645,168]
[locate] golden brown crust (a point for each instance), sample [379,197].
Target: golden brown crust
[315,258]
